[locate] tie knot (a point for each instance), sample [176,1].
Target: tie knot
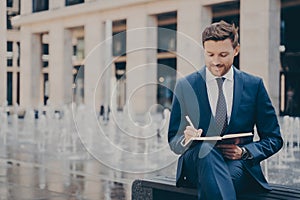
[220,82]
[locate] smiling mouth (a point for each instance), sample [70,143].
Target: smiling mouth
[217,67]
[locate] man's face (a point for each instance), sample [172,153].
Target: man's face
[219,56]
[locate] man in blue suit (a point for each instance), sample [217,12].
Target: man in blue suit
[218,170]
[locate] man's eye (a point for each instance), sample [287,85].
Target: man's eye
[224,55]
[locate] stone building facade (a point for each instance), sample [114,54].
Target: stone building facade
[129,53]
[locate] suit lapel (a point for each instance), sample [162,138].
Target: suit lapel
[237,94]
[202,96]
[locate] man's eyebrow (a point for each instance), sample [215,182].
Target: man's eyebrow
[223,52]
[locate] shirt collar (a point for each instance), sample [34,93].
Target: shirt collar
[210,76]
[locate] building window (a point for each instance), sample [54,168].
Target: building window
[10,88]
[9,46]
[80,49]
[45,57]
[19,54]
[289,93]
[9,54]
[45,49]
[166,78]
[120,70]
[40,5]
[119,50]
[119,38]
[167,28]
[290,59]
[9,3]
[73,2]
[46,88]
[78,84]
[8,20]
[9,62]
[120,74]
[166,62]
[18,88]
[74,50]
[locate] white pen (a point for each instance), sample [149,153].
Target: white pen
[189,121]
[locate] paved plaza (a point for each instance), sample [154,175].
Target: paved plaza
[51,158]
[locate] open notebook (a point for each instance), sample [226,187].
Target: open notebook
[228,138]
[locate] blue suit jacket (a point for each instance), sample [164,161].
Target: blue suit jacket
[251,107]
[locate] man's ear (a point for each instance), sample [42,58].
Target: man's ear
[236,50]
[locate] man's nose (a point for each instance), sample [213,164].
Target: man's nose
[216,61]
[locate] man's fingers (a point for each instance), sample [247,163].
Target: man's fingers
[230,151]
[191,131]
[199,131]
[226,146]
[190,128]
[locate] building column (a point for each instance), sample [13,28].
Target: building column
[60,65]
[26,7]
[94,62]
[30,72]
[55,4]
[260,41]
[192,19]
[3,58]
[107,76]
[141,70]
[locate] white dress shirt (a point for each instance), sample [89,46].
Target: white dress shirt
[213,91]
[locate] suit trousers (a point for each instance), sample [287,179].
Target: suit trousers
[215,177]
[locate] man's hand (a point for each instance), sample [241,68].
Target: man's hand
[230,151]
[190,132]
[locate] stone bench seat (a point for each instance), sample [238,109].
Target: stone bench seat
[163,188]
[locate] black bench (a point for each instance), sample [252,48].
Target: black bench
[163,188]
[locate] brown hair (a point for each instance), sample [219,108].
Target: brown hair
[221,31]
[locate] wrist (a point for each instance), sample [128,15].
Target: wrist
[245,154]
